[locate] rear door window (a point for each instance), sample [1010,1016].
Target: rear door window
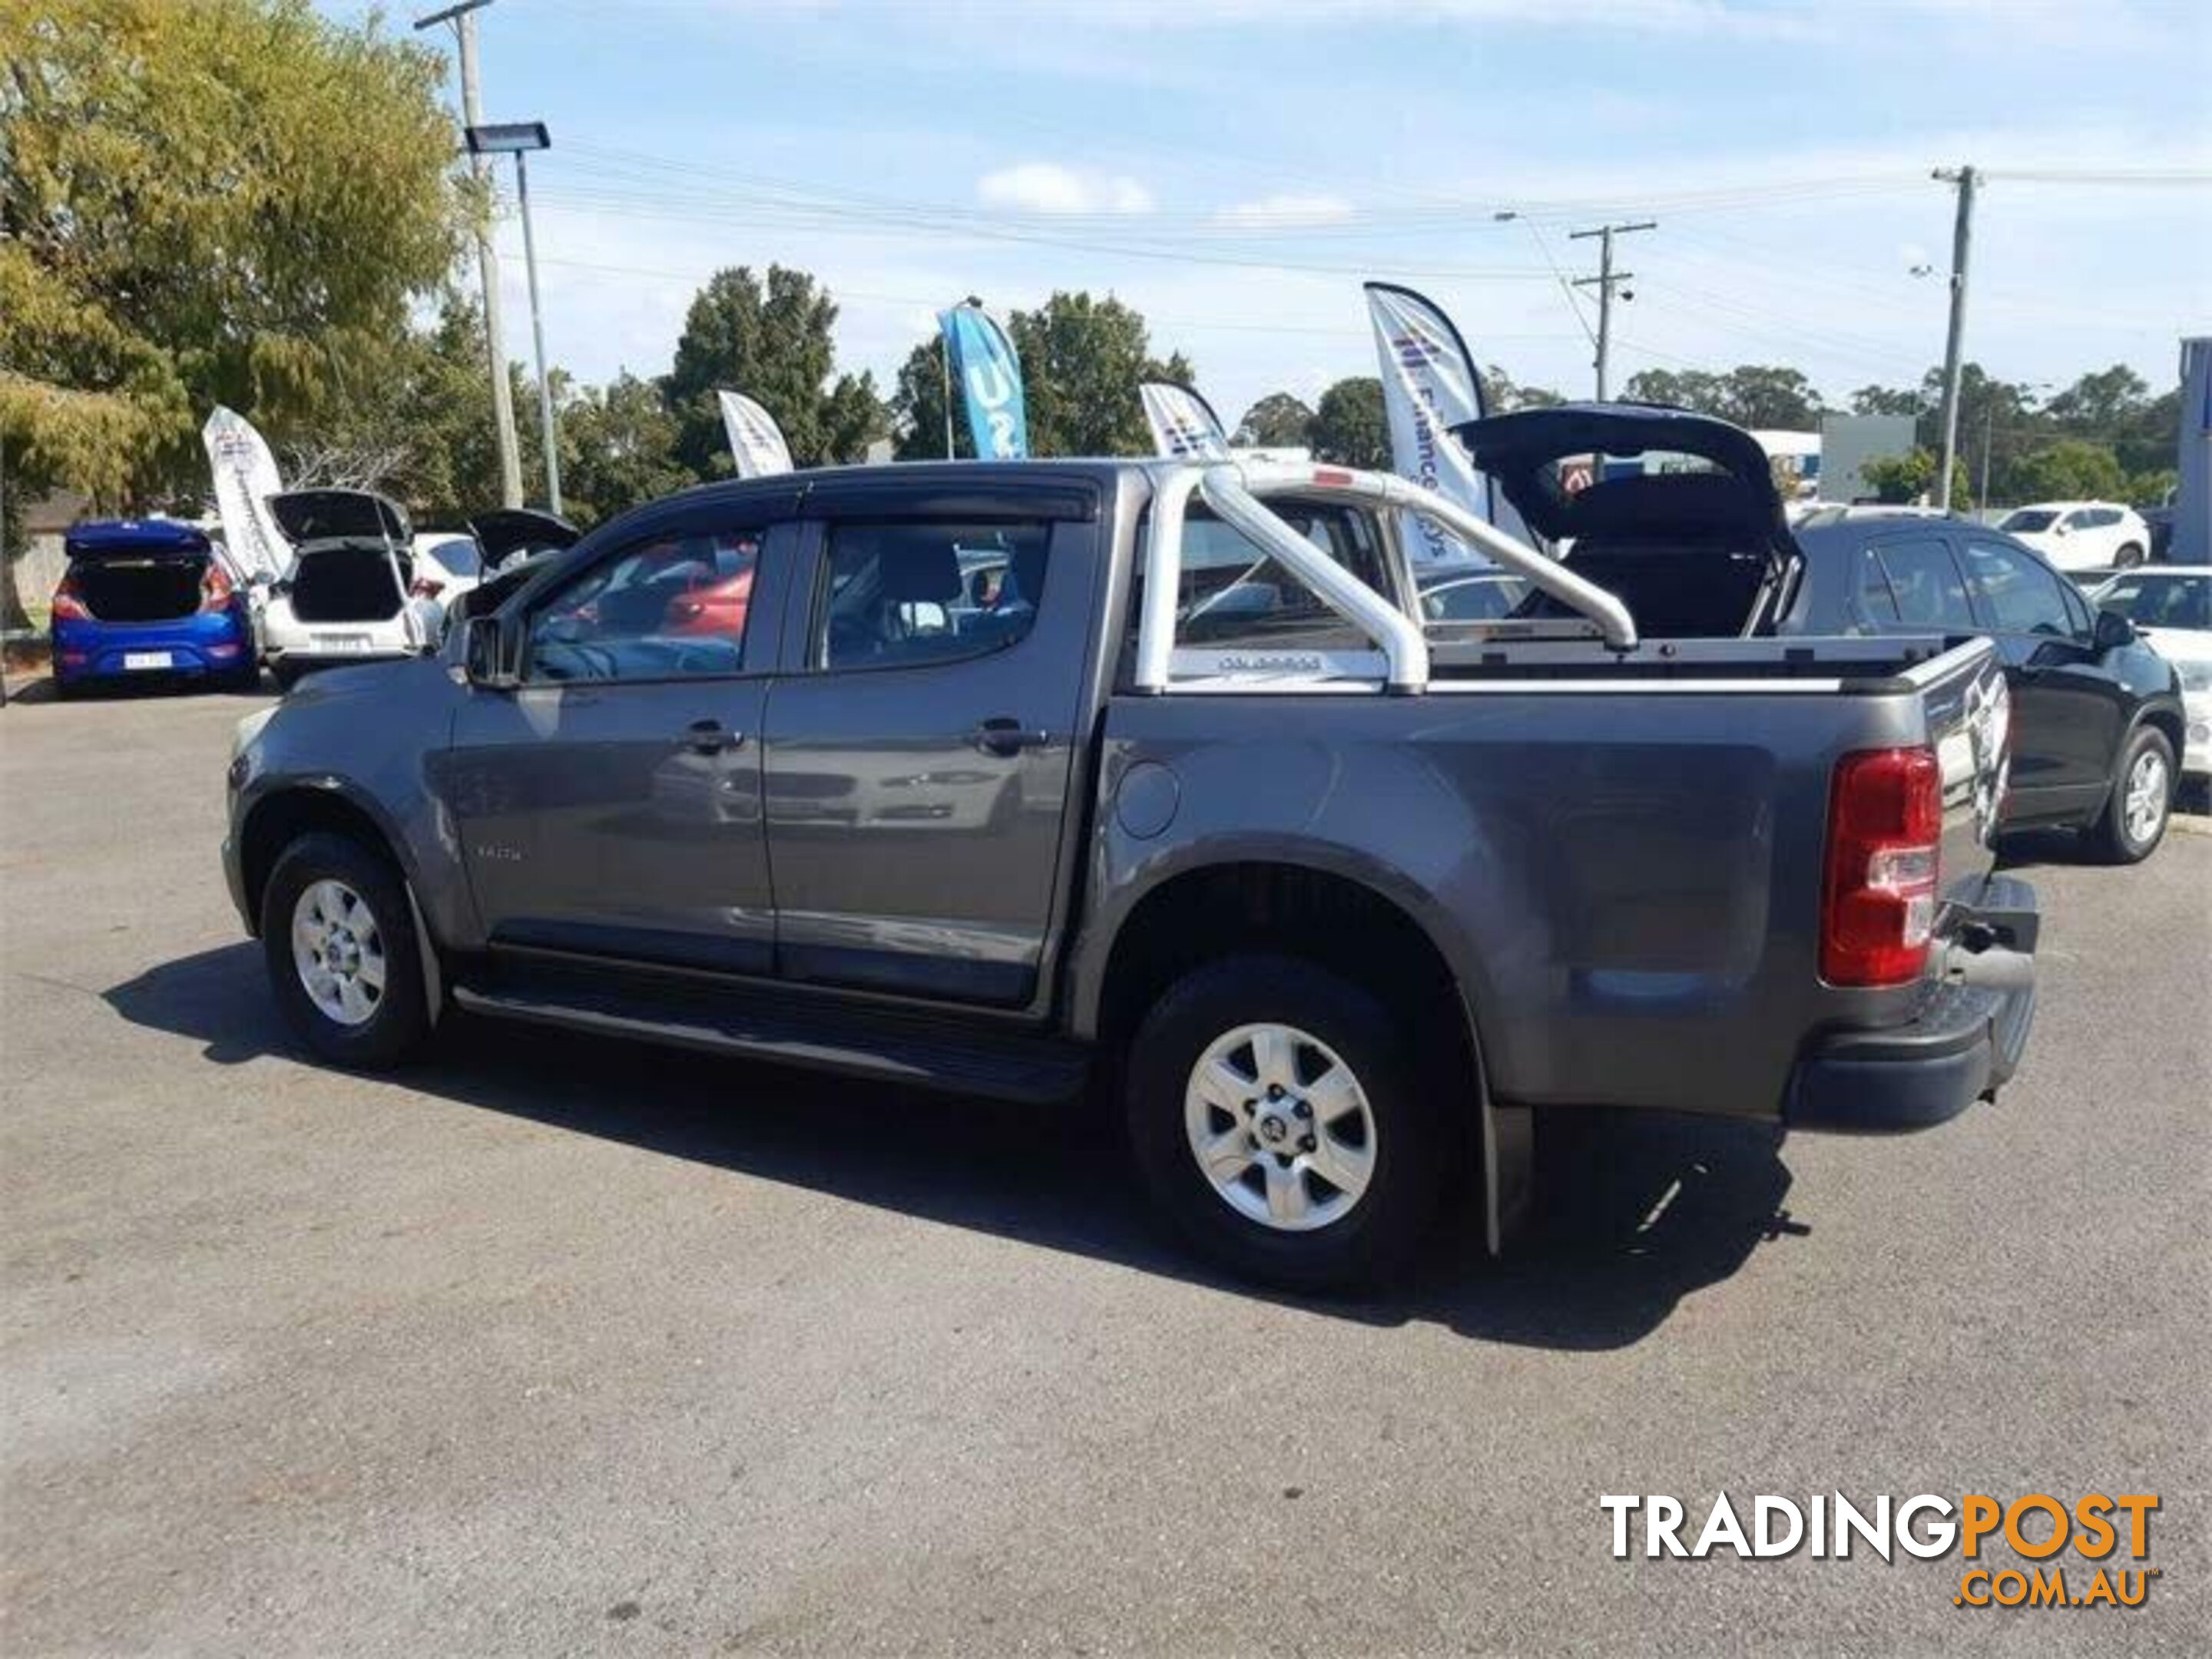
[902,595]
[1925,581]
[1876,605]
[2015,593]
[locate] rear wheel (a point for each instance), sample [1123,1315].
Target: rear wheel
[1280,1124]
[287,675]
[2128,557]
[339,940]
[2135,818]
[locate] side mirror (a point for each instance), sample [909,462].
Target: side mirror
[2112,632]
[487,655]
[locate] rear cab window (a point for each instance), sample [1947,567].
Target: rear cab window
[1233,596]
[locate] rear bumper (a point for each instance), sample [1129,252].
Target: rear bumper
[309,662]
[1966,1040]
[189,647]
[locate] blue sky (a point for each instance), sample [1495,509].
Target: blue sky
[1234,169]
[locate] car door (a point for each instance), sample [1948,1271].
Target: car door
[609,805]
[2068,707]
[921,745]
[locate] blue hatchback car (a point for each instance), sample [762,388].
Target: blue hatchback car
[148,598]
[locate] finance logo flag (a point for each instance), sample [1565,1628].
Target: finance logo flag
[1184,425]
[2192,501]
[990,375]
[245,476]
[756,440]
[1429,385]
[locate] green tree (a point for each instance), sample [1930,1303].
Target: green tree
[1683,388]
[1502,393]
[917,408]
[1911,477]
[1349,426]
[1768,397]
[2072,468]
[1887,400]
[617,448]
[772,342]
[1765,396]
[234,201]
[1277,420]
[1082,359]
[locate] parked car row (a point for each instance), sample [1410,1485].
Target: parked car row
[142,599]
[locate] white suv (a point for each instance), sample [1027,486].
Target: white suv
[2081,535]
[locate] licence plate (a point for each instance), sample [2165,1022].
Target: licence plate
[342,641]
[146,660]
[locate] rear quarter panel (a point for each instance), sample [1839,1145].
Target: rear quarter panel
[1626,884]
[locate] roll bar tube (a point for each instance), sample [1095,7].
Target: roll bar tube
[1404,644]
[1235,492]
[1613,621]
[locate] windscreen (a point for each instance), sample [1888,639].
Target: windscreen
[2160,601]
[2028,519]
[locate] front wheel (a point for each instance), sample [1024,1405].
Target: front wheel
[1279,1119]
[339,940]
[2135,818]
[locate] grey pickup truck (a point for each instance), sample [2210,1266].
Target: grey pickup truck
[1146,785]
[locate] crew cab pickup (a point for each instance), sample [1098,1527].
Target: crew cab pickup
[1144,782]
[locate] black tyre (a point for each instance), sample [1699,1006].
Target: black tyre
[1277,1115]
[339,941]
[285,674]
[2141,802]
[2128,557]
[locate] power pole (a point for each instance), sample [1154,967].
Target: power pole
[463,17]
[1962,238]
[1605,282]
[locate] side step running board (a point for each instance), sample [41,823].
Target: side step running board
[890,1045]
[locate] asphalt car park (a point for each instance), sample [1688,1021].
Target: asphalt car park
[555,1343]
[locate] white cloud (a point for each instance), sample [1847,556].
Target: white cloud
[1046,187]
[1288,210]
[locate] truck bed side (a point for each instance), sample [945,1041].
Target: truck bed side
[1625,880]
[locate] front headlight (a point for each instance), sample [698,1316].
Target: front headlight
[249,728]
[2195,676]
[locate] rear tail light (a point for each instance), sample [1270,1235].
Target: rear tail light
[216,589]
[1878,896]
[68,603]
[426,587]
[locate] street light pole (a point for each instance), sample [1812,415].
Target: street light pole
[945,364]
[538,334]
[463,17]
[518,139]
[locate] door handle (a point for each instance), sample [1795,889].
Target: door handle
[1006,736]
[711,738]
